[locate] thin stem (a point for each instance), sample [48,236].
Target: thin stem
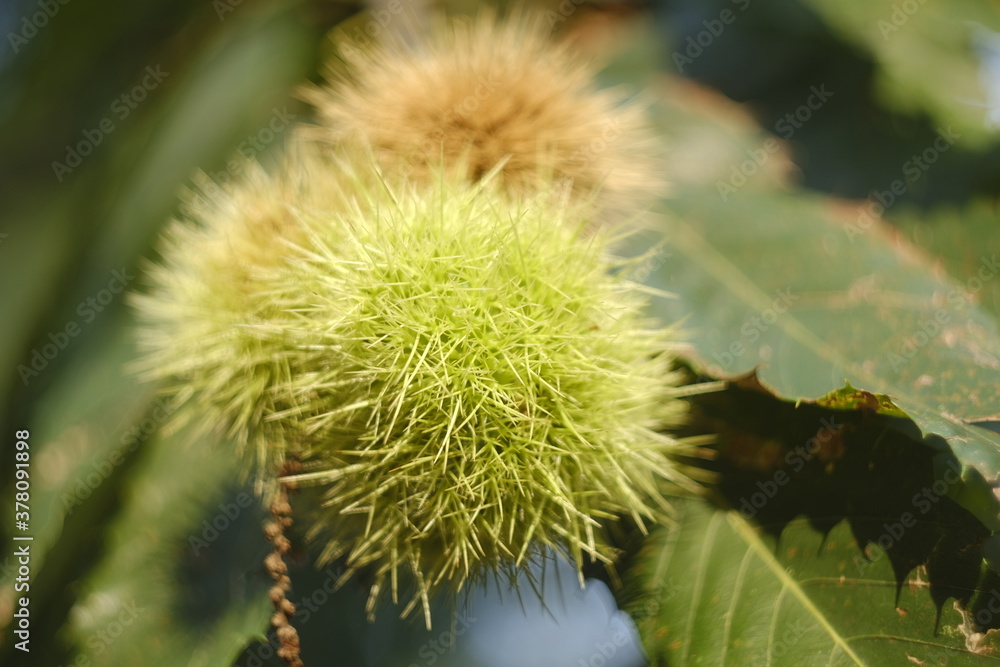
[274,530]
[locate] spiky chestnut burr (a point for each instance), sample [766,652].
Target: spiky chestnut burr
[469,381]
[478,92]
[210,287]
[478,384]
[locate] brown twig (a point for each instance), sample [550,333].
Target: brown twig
[274,530]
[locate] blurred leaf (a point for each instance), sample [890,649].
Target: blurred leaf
[962,239]
[715,141]
[91,425]
[201,603]
[925,55]
[183,567]
[82,453]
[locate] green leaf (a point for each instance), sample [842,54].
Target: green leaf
[814,297]
[182,568]
[821,298]
[959,238]
[775,460]
[849,398]
[719,594]
[112,505]
[810,297]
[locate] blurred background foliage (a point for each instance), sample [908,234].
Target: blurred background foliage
[118,507]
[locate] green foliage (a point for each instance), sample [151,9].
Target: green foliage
[889,306]
[873,315]
[925,54]
[962,239]
[810,292]
[723,595]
